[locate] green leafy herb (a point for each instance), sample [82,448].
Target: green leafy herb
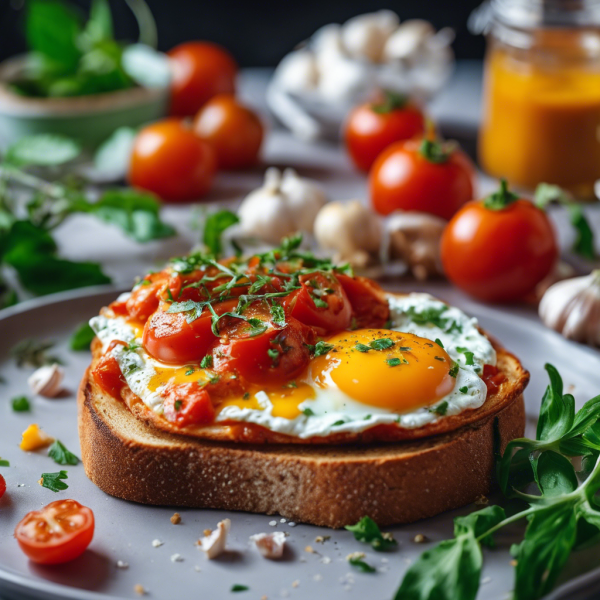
[207,361]
[278,314]
[53,482]
[468,355]
[216,224]
[441,408]
[43,150]
[463,390]
[428,316]
[308,412]
[361,565]
[366,530]
[381,344]
[501,198]
[362,347]
[391,101]
[82,338]
[34,354]
[246,396]
[393,362]
[59,453]
[239,588]
[453,372]
[563,515]
[21,404]
[439,342]
[273,354]
[338,423]
[320,348]
[178,404]
[436,152]
[190,371]
[4,463]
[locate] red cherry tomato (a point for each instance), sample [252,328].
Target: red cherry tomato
[188,404]
[57,533]
[276,356]
[500,248]
[234,131]
[421,176]
[2,486]
[370,309]
[201,70]
[108,376]
[168,337]
[373,126]
[170,161]
[321,303]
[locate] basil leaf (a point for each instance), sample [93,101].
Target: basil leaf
[216,224]
[554,474]
[361,565]
[52,29]
[557,412]
[53,482]
[584,241]
[59,453]
[21,404]
[82,338]
[99,26]
[549,539]
[43,150]
[112,156]
[366,530]
[586,417]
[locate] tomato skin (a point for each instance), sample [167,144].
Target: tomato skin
[170,161]
[403,179]
[188,404]
[168,337]
[301,305]
[2,486]
[54,548]
[200,71]
[499,255]
[370,309]
[108,376]
[234,131]
[367,133]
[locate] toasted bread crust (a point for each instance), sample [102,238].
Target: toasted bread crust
[324,485]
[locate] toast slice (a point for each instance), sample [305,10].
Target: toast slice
[325,485]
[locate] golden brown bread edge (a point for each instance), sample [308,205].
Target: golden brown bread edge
[325,485]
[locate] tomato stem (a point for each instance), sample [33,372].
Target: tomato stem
[391,101]
[500,199]
[436,152]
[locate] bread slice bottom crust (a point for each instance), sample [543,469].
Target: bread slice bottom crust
[325,485]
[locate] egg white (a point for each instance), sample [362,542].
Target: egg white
[333,411]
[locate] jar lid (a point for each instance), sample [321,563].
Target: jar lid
[531,14]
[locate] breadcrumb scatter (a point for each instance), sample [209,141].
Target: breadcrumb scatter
[355,556]
[513,563]
[482,500]
[122,565]
[176,519]
[207,532]
[309,549]
[273,523]
[140,590]
[176,558]
[292,524]
[420,538]
[296,583]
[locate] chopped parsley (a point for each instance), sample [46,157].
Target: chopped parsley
[246,396]
[278,314]
[362,347]
[59,454]
[439,358]
[213,378]
[393,362]
[366,530]
[338,423]
[441,408]
[291,384]
[431,315]
[4,463]
[379,344]
[53,482]
[361,565]
[207,361]
[178,404]
[21,404]
[320,348]
[439,343]
[463,390]
[190,371]
[453,372]
[308,412]
[468,355]
[239,588]
[273,355]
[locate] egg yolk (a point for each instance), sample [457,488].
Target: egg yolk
[396,371]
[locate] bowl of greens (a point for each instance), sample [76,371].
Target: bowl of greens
[77,80]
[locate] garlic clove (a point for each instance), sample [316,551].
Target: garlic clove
[47,380]
[270,545]
[304,197]
[214,545]
[572,307]
[408,41]
[364,36]
[298,72]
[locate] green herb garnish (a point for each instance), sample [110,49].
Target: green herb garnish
[59,453]
[216,223]
[82,338]
[361,565]
[206,362]
[308,412]
[393,362]
[239,588]
[366,530]
[21,404]
[463,390]
[441,408]
[53,482]
[320,348]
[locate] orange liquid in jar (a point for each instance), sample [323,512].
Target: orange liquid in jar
[542,116]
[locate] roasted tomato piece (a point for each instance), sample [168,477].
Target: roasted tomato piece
[493,378]
[108,376]
[370,309]
[2,486]
[57,533]
[320,303]
[188,404]
[275,356]
[169,337]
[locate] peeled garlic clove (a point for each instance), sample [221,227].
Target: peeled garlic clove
[408,40]
[365,36]
[297,72]
[47,380]
[214,544]
[270,545]
[351,230]
[305,199]
[572,307]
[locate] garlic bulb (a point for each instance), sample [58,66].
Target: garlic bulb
[572,307]
[408,40]
[282,206]
[47,380]
[305,199]
[297,72]
[364,36]
[414,238]
[351,230]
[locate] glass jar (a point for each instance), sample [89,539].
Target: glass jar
[541,106]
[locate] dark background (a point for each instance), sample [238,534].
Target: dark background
[257,33]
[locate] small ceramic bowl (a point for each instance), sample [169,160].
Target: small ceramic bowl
[88,119]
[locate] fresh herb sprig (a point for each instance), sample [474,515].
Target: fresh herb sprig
[562,515]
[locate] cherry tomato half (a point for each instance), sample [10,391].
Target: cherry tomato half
[321,303]
[372,127]
[170,161]
[234,131]
[500,248]
[188,404]
[2,486]
[57,533]
[201,70]
[422,176]
[107,374]
[370,309]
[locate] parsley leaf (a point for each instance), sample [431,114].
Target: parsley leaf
[59,453]
[308,412]
[393,362]
[453,372]
[207,361]
[468,355]
[441,408]
[239,588]
[216,224]
[366,530]
[361,565]
[21,404]
[53,482]
[428,316]
[278,314]
[362,347]
[4,463]
[381,344]
[320,348]
[82,338]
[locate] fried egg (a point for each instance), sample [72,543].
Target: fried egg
[425,366]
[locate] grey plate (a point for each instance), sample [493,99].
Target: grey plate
[124,531]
